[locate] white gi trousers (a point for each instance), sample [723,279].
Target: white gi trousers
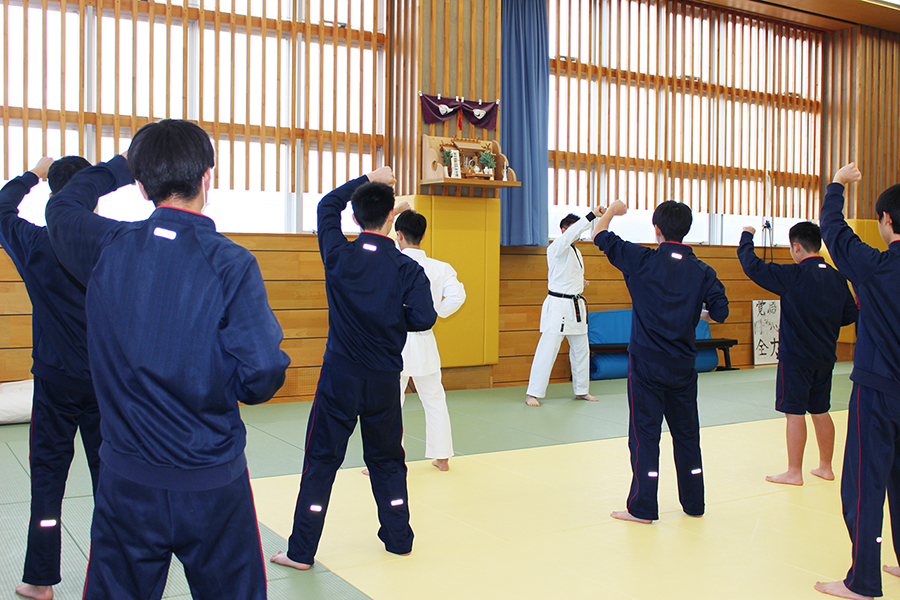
[558,321]
[421,359]
[438,440]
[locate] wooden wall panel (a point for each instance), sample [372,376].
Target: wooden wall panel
[861,118]
[294,280]
[7,268]
[290,294]
[523,287]
[15,364]
[456,53]
[304,323]
[15,298]
[467,378]
[15,331]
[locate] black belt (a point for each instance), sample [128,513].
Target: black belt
[574,298]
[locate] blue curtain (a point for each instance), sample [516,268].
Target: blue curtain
[524,114]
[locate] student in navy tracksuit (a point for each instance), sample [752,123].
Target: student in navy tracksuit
[815,304]
[669,287]
[179,332]
[375,295]
[872,451]
[64,399]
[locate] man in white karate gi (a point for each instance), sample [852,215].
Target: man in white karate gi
[421,360]
[564,313]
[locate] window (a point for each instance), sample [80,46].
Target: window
[266,78]
[654,101]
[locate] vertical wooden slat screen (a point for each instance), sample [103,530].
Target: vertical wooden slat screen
[263,137]
[118,16]
[6,90]
[98,94]
[319,34]
[248,57]
[347,30]
[455,49]
[233,33]
[362,84]
[334,60]
[62,77]
[729,101]
[44,77]
[82,82]
[861,113]
[217,28]
[295,94]
[25,112]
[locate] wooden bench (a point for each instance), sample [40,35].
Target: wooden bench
[723,344]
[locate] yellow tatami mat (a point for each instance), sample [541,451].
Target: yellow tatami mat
[534,523]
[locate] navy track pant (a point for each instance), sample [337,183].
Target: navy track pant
[341,399]
[57,413]
[136,529]
[871,466]
[656,391]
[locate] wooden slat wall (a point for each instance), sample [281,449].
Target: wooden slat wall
[295,282]
[523,287]
[862,115]
[255,51]
[456,50]
[403,58]
[654,100]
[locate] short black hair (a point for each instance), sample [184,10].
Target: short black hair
[807,234]
[569,220]
[412,225]
[169,158]
[372,202]
[673,219]
[62,170]
[889,202]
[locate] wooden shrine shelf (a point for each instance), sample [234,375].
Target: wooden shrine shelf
[467,151]
[471,182]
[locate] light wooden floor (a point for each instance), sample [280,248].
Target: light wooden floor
[533,523]
[524,511]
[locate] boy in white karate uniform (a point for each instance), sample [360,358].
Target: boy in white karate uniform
[564,313]
[421,360]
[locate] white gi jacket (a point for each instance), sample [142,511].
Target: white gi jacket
[565,275]
[420,354]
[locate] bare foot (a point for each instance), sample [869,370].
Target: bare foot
[532,401]
[365,472]
[38,592]
[587,397]
[787,478]
[895,571]
[624,515]
[282,559]
[824,472]
[837,588]
[442,463]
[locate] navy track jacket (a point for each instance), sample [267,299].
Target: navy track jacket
[669,286]
[876,279]
[375,294]
[58,323]
[815,303]
[179,331]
